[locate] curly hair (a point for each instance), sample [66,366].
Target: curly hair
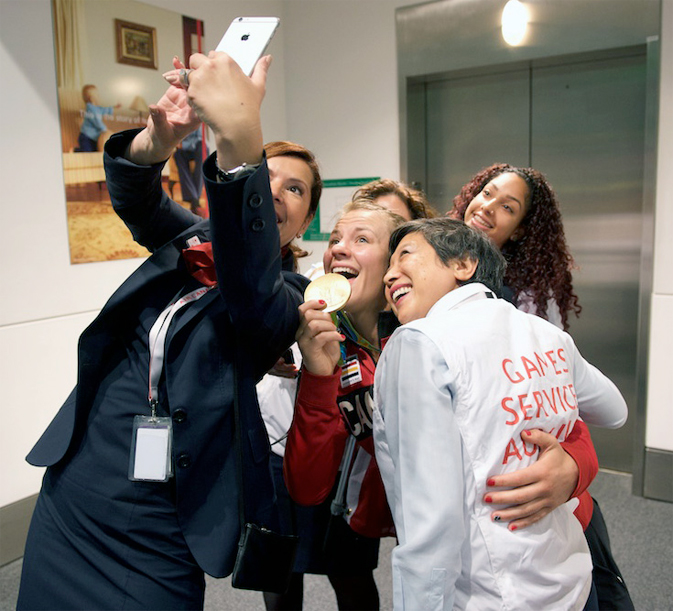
[539,263]
[416,202]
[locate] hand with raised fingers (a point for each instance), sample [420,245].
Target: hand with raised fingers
[533,492]
[170,120]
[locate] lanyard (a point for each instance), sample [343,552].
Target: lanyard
[157,341]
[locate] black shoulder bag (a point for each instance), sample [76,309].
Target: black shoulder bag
[265,559]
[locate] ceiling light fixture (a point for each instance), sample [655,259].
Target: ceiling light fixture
[514,22]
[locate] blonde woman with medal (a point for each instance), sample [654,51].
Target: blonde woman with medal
[340,349]
[277,392]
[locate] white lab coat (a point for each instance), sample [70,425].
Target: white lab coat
[454,391]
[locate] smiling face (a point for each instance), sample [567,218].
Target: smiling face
[499,208]
[291,180]
[417,278]
[358,250]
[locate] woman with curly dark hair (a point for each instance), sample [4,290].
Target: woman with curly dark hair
[518,210]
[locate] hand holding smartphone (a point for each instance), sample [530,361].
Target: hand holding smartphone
[247,38]
[245,41]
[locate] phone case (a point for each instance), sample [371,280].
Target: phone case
[247,38]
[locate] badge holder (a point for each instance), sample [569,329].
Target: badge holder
[151,449]
[152,440]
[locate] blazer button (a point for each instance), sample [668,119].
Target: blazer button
[257,225]
[255,200]
[184,461]
[179,415]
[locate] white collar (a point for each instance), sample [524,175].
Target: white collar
[460,296]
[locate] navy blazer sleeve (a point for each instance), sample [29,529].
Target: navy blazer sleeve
[138,198]
[262,299]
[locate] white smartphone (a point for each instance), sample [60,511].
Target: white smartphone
[247,38]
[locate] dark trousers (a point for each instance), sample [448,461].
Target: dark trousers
[86,144]
[610,587]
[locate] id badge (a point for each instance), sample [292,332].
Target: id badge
[151,448]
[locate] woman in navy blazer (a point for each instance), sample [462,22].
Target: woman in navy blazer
[97,539]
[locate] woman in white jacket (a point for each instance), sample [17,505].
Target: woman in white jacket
[456,387]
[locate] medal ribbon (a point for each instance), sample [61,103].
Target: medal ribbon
[345,326]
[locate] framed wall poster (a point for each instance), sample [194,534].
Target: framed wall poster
[136,44]
[99,95]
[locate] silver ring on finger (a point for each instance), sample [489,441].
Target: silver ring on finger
[184,77]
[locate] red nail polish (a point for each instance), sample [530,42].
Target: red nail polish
[527,432]
[488,499]
[513,527]
[490,482]
[321,302]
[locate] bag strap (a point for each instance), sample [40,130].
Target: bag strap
[339,506]
[256,503]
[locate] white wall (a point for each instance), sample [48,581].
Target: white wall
[46,302]
[333,87]
[341,81]
[659,430]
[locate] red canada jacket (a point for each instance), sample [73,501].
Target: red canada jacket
[330,408]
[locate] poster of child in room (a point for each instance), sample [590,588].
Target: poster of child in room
[102,89]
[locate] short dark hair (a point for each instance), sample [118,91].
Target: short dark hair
[453,240]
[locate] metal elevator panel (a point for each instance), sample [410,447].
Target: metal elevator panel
[579,120]
[472,122]
[587,135]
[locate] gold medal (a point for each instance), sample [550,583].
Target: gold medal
[333,289]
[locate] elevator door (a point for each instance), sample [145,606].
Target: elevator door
[581,123]
[473,122]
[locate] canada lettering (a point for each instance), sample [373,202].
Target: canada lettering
[356,408]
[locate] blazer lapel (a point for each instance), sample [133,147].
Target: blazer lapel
[195,308]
